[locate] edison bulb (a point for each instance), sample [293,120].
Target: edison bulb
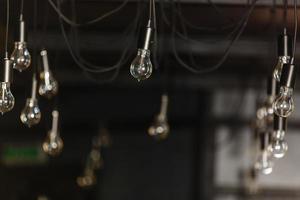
[7,100]
[284,103]
[53,144]
[279,148]
[31,114]
[141,67]
[48,85]
[20,57]
[264,163]
[278,68]
[160,128]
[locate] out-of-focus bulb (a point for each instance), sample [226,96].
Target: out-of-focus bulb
[88,179]
[20,57]
[31,114]
[48,84]
[160,128]
[264,163]
[7,100]
[284,103]
[279,146]
[53,144]
[141,67]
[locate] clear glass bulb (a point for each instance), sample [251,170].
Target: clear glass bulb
[160,128]
[141,67]
[53,144]
[31,114]
[20,57]
[284,103]
[279,148]
[7,100]
[264,163]
[278,68]
[48,85]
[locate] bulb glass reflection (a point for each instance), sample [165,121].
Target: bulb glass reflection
[20,57]
[284,103]
[7,100]
[141,67]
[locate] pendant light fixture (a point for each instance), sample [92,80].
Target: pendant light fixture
[7,100]
[141,67]
[20,57]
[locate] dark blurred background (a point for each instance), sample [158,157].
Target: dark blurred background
[205,155]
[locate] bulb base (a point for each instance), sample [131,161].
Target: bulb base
[288,76]
[280,123]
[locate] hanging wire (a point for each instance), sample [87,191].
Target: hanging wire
[226,53]
[285,3]
[35,19]
[295,31]
[100,69]
[22,10]
[90,22]
[7,26]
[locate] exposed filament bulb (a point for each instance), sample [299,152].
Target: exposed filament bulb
[7,100]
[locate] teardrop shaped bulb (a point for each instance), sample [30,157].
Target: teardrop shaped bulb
[284,103]
[48,85]
[20,57]
[279,148]
[141,67]
[160,129]
[7,100]
[53,144]
[264,163]
[31,114]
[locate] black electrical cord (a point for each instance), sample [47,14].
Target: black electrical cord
[22,10]
[295,31]
[100,69]
[90,22]
[35,19]
[227,51]
[7,26]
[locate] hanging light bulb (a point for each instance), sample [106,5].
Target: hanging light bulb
[7,100]
[141,67]
[160,128]
[88,179]
[20,57]
[48,85]
[31,114]
[53,144]
[264,162]
[279,146]
[284,53]
[284,103]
